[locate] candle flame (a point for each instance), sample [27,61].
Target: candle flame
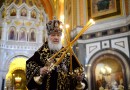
[92,21]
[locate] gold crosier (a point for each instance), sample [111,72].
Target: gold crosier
[67,48]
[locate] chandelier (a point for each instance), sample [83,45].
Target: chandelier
[106,70]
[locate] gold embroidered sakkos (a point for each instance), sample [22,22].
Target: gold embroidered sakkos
[57,79]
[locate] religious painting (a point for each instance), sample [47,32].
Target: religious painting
[13,12]
[12,33]
[100,9]
[22,34]
[32,36]
[109,75]
[33,14]
[0,33]
[23,12]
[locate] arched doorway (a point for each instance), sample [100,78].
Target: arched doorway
[109,73]
[16,78]
[109,70]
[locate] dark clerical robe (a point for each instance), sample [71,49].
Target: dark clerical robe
[57,79]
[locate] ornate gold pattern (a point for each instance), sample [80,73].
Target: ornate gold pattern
[48,79]
[34,69]
[18,23]
[28,23]
[28,2]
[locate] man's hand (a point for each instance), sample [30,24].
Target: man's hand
[44,70]
[80,77]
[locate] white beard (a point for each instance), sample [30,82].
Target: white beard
[53,46]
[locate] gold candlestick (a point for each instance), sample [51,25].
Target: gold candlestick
[80,84]
[38,79]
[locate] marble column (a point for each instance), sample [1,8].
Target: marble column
[1,81]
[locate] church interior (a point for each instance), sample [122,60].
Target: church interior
[103,49]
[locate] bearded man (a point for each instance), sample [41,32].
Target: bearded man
[58,78]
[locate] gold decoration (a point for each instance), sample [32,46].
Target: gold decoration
[18,23]
[28,23]
[8,21]
[37,24]
[45,49]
